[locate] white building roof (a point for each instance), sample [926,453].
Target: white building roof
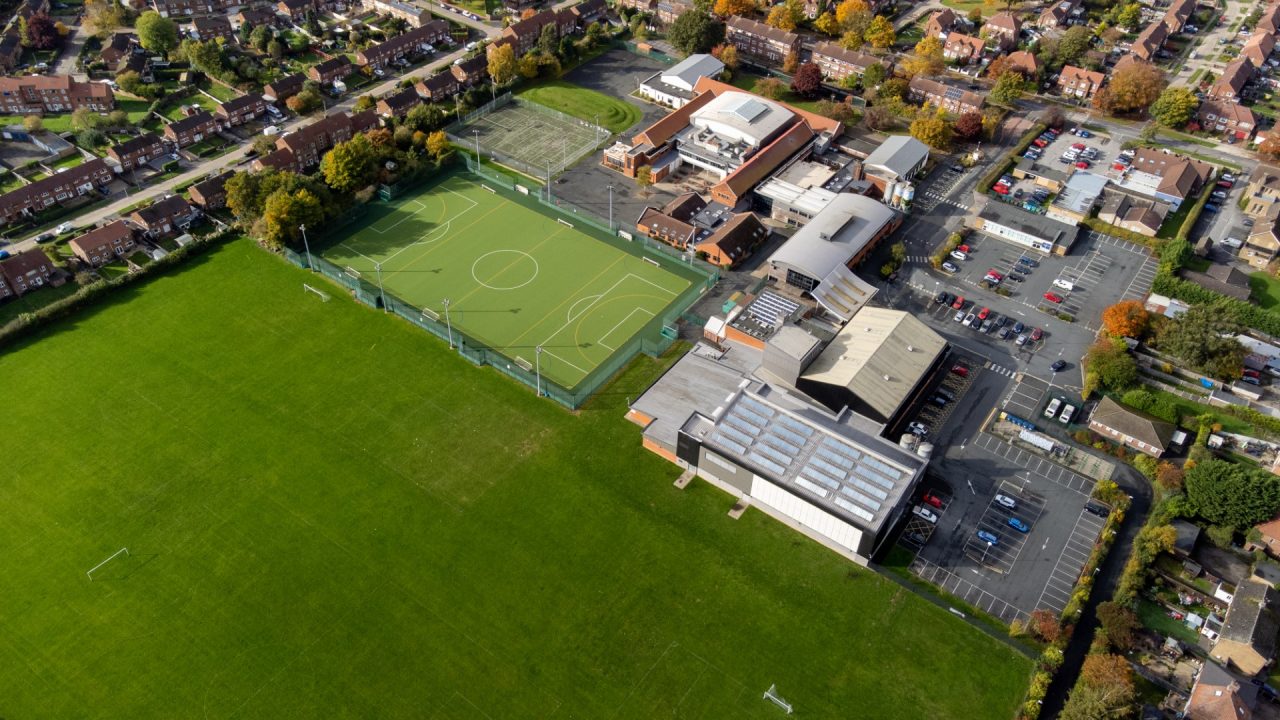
[834,236]
[741,117]
[1080,192]
[896,157]
[810,200]
[686,73]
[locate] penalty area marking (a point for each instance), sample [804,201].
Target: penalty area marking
[394,225]
[601,341]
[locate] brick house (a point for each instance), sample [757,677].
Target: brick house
[1263,192]
[438,87]
[1136,430]
[25,271]
[1227,118]
[101,246]
[760,42]
[284,88]
[962,49]
[1003,29]
[1262,246]
[731,242]
[397,104]
[1179,12]
[952,99]
[308,144]
[940,23]
[119,48]
[1080,83]
[1248,637]
[334,68]
[135,152]
[241,110]
[1270,20]
[211,194]
[412,14]
[257,17]
[1258,48]
[523,35]
[588,11]
[472,71]
[207,29]
[181,8]
[36,94]
[837,63]
[1025,63]
[191,130]
[55,189]
[1150,41]
[1231,83]
[10,50]
[164,217]
[295,10]
[407,43]
[1059,14]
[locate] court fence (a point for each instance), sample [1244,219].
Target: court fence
[456,133]
[653,339]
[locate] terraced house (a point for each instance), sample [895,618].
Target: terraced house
[524,34]
[303,148]
[24,272]
[1150,41]
[414,41]
[837,63]
[55,190]
[105,244]
[135,152]
[191,130]
[37,94]
[180,8]
[759,42]
[948,97]
[1227,118]
[1231,83]
[334,68]
[241,110]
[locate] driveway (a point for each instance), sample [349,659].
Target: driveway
[66,64]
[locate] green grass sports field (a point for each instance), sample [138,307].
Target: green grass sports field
[514,278]
[331,515]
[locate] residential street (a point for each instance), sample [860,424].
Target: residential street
[233,158]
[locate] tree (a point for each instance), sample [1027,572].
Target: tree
[548,38]
[695,31]
[350,165]
[284,212]
[1271,146]
[438,145]
[807,81]
[644,176]
[926,60]
[1044,623]
[263,144]
[1129,17]
[1127,318]
[502,64]
[305,102]
[932,128]
[873,75]
[1202,338]
[157,33]
[729,56]
[528,13]
[103,16]
[892,88]
[1008,89]
[851,40]
[771,88]
[1132,89]
[84,119]
[878,118]
[275,49]
[725,8]
[969,125]
[1232,495]
[207,57]
[1105,689]
[791,62]
[880,33]
[33,123]
[842,111]
[1174,107]
[848,12]
[1169,477]
[364,102]
[260,38]
[242,195]
[1111,364]
[1073,44]
[780,17]
[975,17]
[42,32]
[1119,623]
[568,49]
[424,117]
[827,24]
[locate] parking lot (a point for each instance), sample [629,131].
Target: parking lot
[1102,149]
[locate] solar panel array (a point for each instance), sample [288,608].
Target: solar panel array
[771,309]
[833,470]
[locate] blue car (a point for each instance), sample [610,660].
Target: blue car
[4,254]
[1018,525]
[987,537]
[1210,207]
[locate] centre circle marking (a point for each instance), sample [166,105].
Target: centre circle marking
[520,255]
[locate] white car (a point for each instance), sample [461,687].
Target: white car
[925,514]
[950,268]
[1063,283]
[917,428]
[1007,501]
[968,319]
[1022,340]
[959,255]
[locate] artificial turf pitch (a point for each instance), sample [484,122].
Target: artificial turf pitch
[515,278]
[331,515]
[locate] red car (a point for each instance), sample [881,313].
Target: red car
[1078,146]
[1052,297]
[931,499]
[1002,189]
[1083,165]
[992,273]
[1119,166]
[1036,334]
[960,370]
[959,303]
[983,313]
[963,248]
[1250,373]
[1225,184]
[1039,143]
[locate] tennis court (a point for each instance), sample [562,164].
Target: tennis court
[541,138]
[509,276]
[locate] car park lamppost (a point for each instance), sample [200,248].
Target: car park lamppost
[310,266]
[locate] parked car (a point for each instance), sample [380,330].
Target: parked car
[1018,525]
[1022,340]
[945,393]
[959,303]
[917,428]
[924,513]
[988,538]
[1058,365]
[986,326]
[959,316]
[932,499]
[1097,509]
[958,255]
[1053,297]
[938,399]
[1028,262]
[1036,334]
[968,319]
[964,248]
[1068,412]
[983,313]
[960,370]
[1018,327]
[1005,333]
[941,297]
[950,267]
[1006,501]
[1210,207]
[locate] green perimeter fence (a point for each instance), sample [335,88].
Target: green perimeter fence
[456,132]
[653,339]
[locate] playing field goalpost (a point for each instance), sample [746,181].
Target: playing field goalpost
[122,551]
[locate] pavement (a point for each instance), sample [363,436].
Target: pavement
[232,159]
[488,29]
[66,64]
[1210,45]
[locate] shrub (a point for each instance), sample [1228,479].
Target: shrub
[1220,535]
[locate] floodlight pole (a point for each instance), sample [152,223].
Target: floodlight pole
[307,245]
[611,208]
[477,134]
[381,292]
[448,322]
[537,359]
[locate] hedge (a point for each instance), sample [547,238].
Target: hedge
[1107,228]
[102,290]
[1010,158]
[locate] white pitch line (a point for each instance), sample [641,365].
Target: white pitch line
[651,283]
[620,322]
[566,362]
[401,220]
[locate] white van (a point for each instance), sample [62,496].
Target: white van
[1053,408]
[1067,413]
[1064,284]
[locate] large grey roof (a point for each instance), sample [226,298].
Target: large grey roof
[834,236]
[693,67]
[898,155]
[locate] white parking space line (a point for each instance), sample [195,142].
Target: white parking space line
[967,591]
[1034,463]
[1075,553]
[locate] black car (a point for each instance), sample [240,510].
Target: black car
[939,400]
[1014,277]
[1097,509]
[946,393]
[1001,321]
[957,168]
[1058,365]
[916,538]
[941,297]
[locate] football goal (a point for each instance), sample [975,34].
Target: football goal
[324,296]
[122,551]
[772,696]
